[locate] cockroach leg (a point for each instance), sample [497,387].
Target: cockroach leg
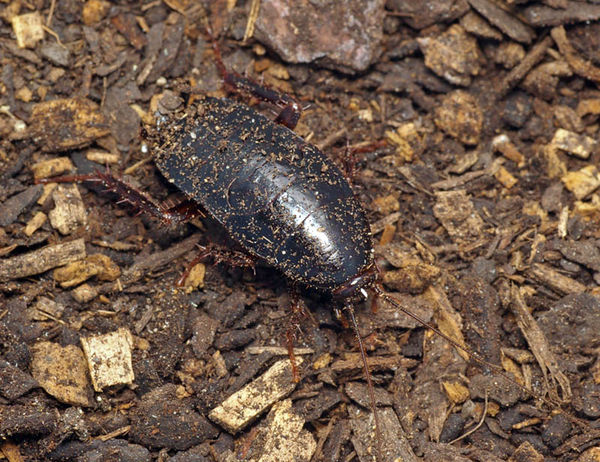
[219,254]
[201,256]
[185,211]
[290,109]
[374,305]
[139,200]
[293,322]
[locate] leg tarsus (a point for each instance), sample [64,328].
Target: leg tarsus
[290,337]
[202,255]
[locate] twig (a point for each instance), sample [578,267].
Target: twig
[474,429]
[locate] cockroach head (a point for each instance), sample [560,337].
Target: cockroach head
[355,289]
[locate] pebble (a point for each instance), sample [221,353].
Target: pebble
[343,35]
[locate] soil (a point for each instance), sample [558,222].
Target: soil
[468,131]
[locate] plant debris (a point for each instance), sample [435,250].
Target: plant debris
[469,131]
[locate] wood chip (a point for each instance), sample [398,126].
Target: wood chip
[539,346]
[503,20]
[126,25]
[555,163]
[102,157]
[277,351]
[575,11]
[579,145]
[195,278]
[380,225]
[252,16]
[555,280]
[504,145]
[456,392]
[448,320]
[461,180]
[42,260]
[353,364]
[460,116]
[67,123]
[84,293]
[51,167]
[580,66]
[69,212]
[387,235]
[407,140]
[11,452]
[476,25]
[505,178]
[109,359]
[582,182]
[75,273]
[526,452]
[35,223]
[386,204]
[14,206]
[395,445]
[45,309]
[567,118]
[28,29]
[535,55]
[588,106]
[62,373]
[563,222]
[93,11]
[453,55]
[284,437]
[455,211]
[47,193]
[244,406]
[413,277]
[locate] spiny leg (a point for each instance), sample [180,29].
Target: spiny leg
[349,159]
[293,323]
[290,109]
[219,254]
[143,203]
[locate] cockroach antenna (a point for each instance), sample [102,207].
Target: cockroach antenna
[363,354]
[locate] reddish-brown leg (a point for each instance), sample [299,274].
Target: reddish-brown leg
[290,109]
[184,211]
[293,323]
[143,203]
[219,254]
[378,288]
[374,305]
[349,158]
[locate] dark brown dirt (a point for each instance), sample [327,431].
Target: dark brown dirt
[483,201]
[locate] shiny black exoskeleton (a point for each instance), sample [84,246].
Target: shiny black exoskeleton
[277,196]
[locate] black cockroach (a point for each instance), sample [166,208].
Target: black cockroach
[277,196]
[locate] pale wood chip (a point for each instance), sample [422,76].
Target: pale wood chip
[540,347]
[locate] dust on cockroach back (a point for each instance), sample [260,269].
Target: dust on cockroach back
[278,197]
